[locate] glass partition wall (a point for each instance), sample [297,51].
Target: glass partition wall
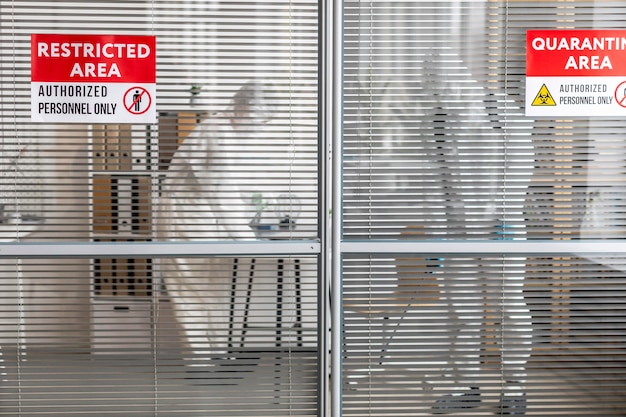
[165,268]
[482,249]
[471,264]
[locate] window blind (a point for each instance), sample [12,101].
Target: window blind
[165,268]
[449,304]
[439,163]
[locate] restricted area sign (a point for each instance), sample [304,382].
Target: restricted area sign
[575,73]
[93,78]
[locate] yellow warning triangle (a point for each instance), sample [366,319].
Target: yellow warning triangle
[544,98]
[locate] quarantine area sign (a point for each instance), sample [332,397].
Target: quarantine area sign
[93,78]
[575,73]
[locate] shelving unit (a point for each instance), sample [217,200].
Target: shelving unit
[123,180]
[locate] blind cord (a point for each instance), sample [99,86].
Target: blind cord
[504,207]
[292,272]
[370,81]
[18,266]
[156,284]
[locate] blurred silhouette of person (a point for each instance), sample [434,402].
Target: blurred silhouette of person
[206,197]
[440,123]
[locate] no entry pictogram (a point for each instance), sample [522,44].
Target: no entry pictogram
[137,100]
[620,94]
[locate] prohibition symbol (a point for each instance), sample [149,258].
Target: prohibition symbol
[137,100]
[620,94]
[543,97]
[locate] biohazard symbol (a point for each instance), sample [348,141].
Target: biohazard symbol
[544,98]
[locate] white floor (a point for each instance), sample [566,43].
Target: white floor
[61,382]
[265,384]
[270,384]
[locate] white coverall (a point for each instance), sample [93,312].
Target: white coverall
[448,155]
[452,156]
[205,197]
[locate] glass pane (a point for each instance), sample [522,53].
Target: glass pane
[418,327]
[441,164]
[241,337]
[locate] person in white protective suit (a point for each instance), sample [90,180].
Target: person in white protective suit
[473,197]
[488,203]
[208,195]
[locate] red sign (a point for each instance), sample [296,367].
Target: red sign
[575,53]
[93,58]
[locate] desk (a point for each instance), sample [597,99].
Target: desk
[262,274]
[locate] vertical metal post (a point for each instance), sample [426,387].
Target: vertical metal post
[337,211]
[324,134]
[330,220]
